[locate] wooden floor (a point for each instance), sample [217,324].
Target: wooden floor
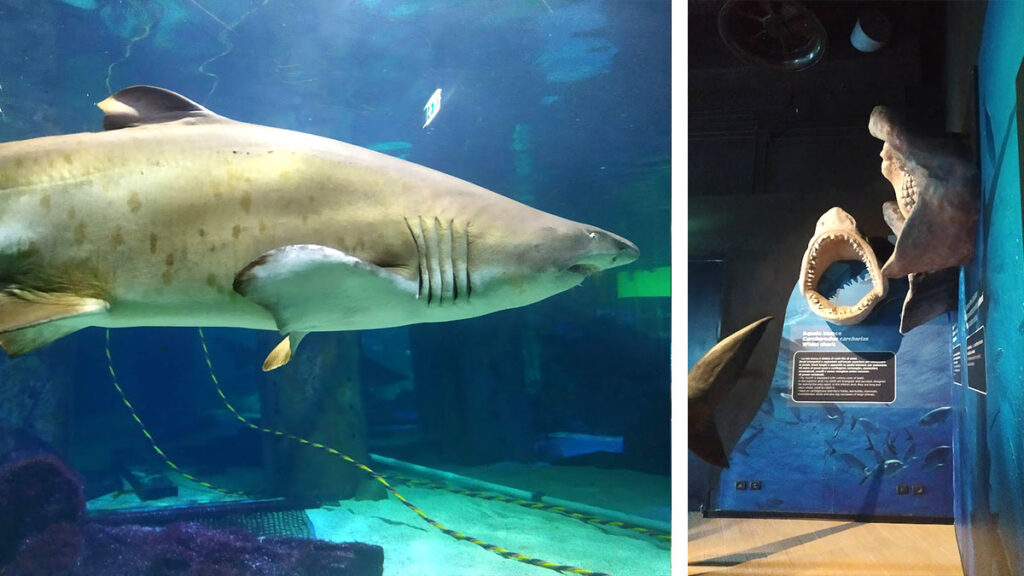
[820,548]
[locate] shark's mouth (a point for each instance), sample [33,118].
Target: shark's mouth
[835,240]
[907,196]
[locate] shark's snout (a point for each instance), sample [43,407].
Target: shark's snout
[606,250]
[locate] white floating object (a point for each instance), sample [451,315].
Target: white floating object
[432,107]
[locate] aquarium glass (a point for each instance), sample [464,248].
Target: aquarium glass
[490,426]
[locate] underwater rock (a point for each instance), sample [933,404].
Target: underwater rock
[36,492]
[188,549]
[52,552]
[319,399]
[42,534]
[35,397]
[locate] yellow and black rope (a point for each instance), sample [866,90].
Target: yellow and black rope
[453,533]
[504,553]
[508,554]
[149,437]
[589,519]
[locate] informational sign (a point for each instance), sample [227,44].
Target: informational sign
[974,315]
[958,358]
[844,377]
[958,370]
[976,361]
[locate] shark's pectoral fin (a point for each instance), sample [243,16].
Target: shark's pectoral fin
[309,288]
[283,352]
[28,318]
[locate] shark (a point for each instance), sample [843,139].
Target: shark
[176,216]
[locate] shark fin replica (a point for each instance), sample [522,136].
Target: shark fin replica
[710,381]
[307,287]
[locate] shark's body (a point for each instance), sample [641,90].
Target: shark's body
[177,217]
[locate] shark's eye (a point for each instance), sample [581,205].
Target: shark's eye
[592,234]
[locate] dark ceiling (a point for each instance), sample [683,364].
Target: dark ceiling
[838,90]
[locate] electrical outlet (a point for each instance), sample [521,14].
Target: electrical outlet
[741,484]
[918,489]
[755,484]
[902,489]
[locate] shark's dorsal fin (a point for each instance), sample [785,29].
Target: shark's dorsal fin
[140,105]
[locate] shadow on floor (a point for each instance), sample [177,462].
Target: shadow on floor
[772,547]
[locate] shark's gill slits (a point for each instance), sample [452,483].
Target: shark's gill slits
[444,235]
[431,234]
[460,260]
[443,249]
[417,237]
[836,239]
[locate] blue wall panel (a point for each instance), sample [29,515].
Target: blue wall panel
[989,506]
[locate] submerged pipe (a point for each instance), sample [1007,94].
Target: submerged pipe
[482,485]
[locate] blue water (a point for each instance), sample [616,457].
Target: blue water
[561,105]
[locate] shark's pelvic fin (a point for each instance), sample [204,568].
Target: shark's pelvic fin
[283,352]
[140,105]
[18,342]
[307,288]
[710,381]
[23,308]
[29,319]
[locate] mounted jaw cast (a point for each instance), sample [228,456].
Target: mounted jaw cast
[933,217]
[836,239]
[936,195]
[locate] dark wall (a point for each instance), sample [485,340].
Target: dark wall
[771,151]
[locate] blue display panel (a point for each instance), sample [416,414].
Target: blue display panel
[988,507]
[868,432]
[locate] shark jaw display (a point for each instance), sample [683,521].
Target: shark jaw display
[836,239]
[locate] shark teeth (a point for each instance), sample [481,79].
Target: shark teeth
[907,195]
[837,240]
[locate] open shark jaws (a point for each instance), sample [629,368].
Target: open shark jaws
[176,216]
[710,381]
[836,239]
[933,218]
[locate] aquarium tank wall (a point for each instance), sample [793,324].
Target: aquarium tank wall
[406,437]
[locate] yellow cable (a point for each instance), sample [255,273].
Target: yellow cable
[457,535]
[213,377]
[149,437]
